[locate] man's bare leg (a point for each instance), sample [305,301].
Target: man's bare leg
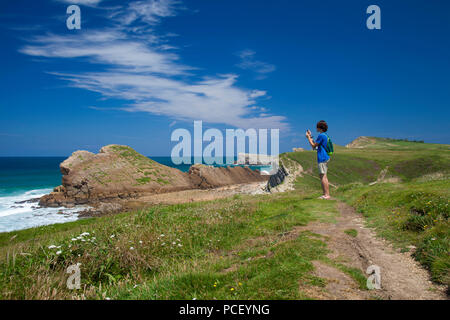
[325,186]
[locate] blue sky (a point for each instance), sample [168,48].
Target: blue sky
[137,70]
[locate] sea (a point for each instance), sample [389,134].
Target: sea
[23,180]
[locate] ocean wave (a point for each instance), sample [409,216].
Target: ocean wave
[13,204]
[21,211]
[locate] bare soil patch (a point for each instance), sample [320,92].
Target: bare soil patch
[196,195]
[339,285]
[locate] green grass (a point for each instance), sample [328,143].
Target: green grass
[144,180]
[351,232]
[226,249]
[243,247]
[344,168]
[356,274]
[402,145]
[413,213]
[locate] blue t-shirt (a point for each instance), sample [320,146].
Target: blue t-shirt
[322,155]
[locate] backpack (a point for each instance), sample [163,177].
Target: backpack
[329,148]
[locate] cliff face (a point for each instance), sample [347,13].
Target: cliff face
[205,177]
[119,172]
[277,178]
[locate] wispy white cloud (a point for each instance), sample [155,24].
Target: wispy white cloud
[111,48]
[82,2]
[148,12]
[146,72]
[213,100]
[249,62]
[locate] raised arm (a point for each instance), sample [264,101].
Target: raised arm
[310,140]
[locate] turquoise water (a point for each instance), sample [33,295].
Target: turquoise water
[18,175]
[185,167]
[25,179]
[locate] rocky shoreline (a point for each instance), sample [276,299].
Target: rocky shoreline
[118,175]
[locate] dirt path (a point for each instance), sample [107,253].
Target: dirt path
[176,197]
[401,276]
[200,194]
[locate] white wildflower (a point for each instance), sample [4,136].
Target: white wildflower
[131,248]
[52,247]
[58,252]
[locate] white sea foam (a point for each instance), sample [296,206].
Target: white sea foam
[15,215]
[9,205]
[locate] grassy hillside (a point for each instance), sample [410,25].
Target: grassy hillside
[410,206]
[393,144]
[237,248]
[409,214]
[226,249]
[404,160]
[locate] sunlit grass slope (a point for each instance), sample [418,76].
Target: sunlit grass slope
[410,206]
[242,247]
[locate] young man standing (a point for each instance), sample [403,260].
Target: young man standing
[322,157]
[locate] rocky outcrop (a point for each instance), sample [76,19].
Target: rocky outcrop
[285,177]
[115,172]
[298,149]
[277,178]
[119,172]
[205,177]
[361,142]
[256,159]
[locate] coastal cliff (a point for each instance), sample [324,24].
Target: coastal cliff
[207,177]
[119,172]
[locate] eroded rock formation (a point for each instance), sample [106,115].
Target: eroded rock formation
[206,177]
[119,172]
